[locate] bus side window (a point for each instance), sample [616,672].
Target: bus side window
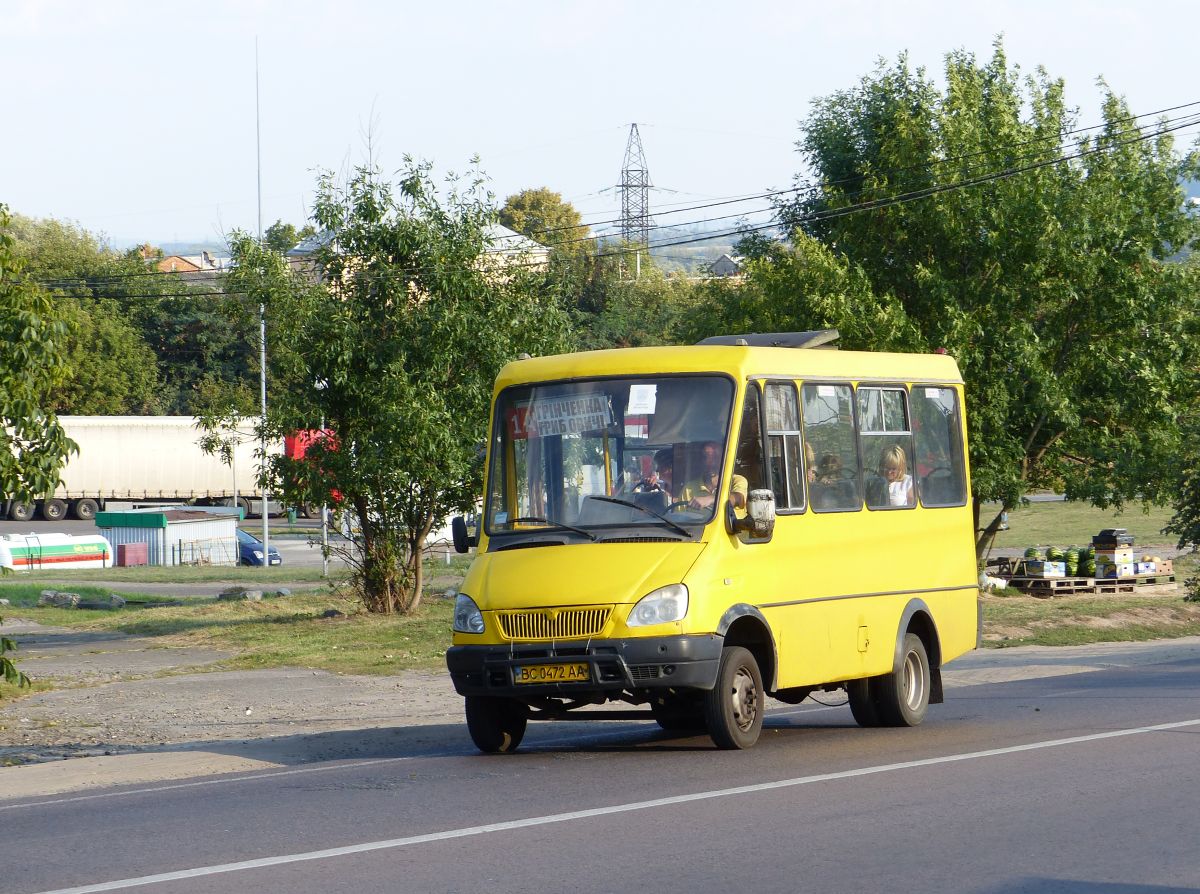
[783,445]
[887,448]
[829,431]
[937,425]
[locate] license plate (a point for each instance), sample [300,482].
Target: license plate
[551,673]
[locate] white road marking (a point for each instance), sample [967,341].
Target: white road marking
[571,816]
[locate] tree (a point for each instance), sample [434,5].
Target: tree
[396,347]
[614,310]
[33,446]
[981,221]
[283,237]
[543,216]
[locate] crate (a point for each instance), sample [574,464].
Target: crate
[1038,568]
[1117,570]
[1112,538]
[1120,556]
[130,554]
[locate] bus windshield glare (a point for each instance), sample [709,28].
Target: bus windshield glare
[602,453]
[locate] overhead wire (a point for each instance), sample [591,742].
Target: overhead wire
[1166,127]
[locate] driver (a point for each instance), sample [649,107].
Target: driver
[701,492]
[660,478]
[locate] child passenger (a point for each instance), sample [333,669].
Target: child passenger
[893,466]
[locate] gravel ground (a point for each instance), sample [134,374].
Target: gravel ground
[127,694]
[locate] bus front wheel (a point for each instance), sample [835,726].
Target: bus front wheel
[496,725]
[733,709]
[902,696]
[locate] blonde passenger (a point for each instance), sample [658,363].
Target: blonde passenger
[893,467]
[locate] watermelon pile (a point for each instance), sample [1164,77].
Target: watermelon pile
[1080,561]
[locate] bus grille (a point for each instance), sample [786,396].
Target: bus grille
[553,623]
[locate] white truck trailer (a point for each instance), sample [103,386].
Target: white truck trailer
[145,460]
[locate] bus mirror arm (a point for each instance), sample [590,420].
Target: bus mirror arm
[462,540]
[759,522]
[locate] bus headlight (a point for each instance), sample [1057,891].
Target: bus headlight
[467,616]
[666,604]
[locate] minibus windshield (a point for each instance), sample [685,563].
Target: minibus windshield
[585,457]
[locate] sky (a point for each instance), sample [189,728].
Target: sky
[137,120]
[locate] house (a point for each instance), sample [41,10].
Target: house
[727,265]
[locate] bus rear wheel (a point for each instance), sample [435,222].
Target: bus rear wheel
[733,709]
[496,725]
[902,697]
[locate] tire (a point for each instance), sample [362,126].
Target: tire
[85,509]
[862,702]
[54,510]
[679,713]
[21,512]
[902,696]
[244,504]
[733,709]
[496,725]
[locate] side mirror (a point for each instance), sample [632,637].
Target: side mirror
[759,523]
[463,541]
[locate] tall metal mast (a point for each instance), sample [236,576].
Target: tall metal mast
[635,192]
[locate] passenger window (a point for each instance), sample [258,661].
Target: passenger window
[783,445]
[937,426]
[748,461]
[887,448]
[829,433]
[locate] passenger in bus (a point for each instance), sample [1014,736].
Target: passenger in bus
[893,467]
[831,489]
[810,462]
[701,492]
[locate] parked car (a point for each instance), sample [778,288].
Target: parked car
[250,550]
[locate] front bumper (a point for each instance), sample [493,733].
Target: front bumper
[614,665]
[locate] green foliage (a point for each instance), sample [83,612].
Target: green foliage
[1051,287]
[616,310]
[543,216]
[405,328]
[283,237]
[137,341]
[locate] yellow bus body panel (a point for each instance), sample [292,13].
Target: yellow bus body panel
[832,586]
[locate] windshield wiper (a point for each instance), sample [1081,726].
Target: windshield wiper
[557,526]
[646,509]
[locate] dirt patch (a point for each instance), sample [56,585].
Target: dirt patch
[128,694]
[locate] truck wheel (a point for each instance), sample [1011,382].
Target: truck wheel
[54,510]
[85,509]
[244,505]
[496,725]
[862,702]
[733,708]
[678,713]
[21,512]
[903,695]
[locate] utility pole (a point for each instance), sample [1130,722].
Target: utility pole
[262,322]
[635,196]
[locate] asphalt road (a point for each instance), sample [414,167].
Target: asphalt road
[1068,783]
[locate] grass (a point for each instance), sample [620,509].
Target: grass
[189,574]
[23,594]
[1074,524]
[292,631]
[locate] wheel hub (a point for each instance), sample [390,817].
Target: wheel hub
[744,700]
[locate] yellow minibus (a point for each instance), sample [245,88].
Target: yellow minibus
[697,528]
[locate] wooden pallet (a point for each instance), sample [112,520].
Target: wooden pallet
[1052,586]
[1116,584]
[1151,579]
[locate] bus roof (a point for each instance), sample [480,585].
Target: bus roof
[738,361]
